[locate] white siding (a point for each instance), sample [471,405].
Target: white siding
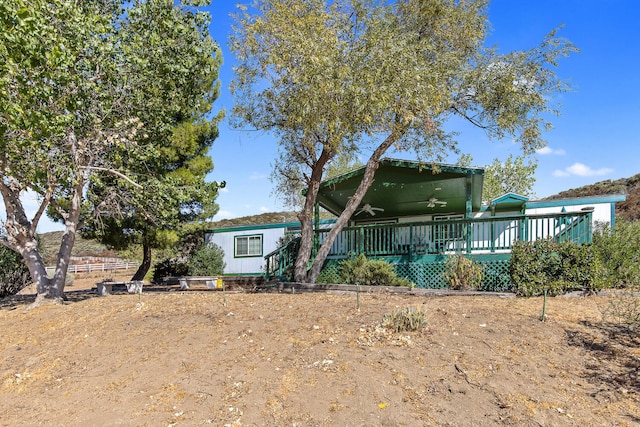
[601,211]
[245,265]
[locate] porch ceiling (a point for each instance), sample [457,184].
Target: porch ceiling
[403,188]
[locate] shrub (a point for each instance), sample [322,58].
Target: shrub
[617,259]
[623,310]
[407,319]
[463,273]
[14,274]
[551,266]
[360,270]
[169,267]
[207,261]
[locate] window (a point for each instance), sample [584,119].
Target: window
[248,245]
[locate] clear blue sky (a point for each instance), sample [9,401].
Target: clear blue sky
[597,136]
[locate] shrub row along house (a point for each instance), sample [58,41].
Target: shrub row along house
[414,216]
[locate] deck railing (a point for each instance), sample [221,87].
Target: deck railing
[412,240]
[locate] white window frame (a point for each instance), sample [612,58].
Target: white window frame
[249,247]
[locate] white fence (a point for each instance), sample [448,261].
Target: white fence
[107,266]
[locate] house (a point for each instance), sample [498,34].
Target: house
[245,247]
[414,215]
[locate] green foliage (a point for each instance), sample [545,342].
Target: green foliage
[14,275]
[556,267]
[333,77]
[106,116]
[617,256]
[463,273]
[511,176]
[407,319]
[177,122]
[170,267]
[207,261]
[624,310]
[514,175]
[360,270]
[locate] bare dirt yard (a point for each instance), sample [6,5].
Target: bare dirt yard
[185,358]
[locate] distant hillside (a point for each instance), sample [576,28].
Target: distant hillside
[630,209]
[265,218]
[50,244]
[261,219]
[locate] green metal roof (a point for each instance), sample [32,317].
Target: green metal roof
[404,188]
[509,202]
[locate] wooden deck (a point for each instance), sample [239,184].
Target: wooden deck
[431,241]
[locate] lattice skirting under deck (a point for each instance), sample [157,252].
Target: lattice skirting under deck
[430,274]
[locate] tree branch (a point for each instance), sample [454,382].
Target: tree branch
[41,209]
[115,172]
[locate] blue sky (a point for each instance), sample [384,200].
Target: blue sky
[597,136]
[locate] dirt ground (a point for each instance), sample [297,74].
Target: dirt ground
[175,358]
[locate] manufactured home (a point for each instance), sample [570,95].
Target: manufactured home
[414,215]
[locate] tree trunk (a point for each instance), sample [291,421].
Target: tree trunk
[306,217]
[146,261]
[21,237]
[54,290]
[352,205]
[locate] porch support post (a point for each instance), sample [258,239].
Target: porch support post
[523,225]
[492,236]
[468,209]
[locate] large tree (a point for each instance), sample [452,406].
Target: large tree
[176,194]
[80,100]
[366,75]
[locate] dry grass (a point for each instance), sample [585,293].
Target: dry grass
[314,359]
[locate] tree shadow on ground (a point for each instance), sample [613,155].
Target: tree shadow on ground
[13,302]
[614,367]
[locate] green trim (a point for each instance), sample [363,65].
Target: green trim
[613,215]
[576,201]
[510,198]
[263,226]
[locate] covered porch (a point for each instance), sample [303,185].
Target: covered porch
[415,215]
[419,250]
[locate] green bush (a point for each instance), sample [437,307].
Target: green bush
[463,273]
[409,319]
[14,274]
[623,310]
[170,267]
[551,266]
[206,261]
[617,258]
[360,270]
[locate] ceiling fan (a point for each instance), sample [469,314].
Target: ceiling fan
[369,209]
[432,202]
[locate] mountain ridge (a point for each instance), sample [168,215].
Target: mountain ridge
[628,210]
